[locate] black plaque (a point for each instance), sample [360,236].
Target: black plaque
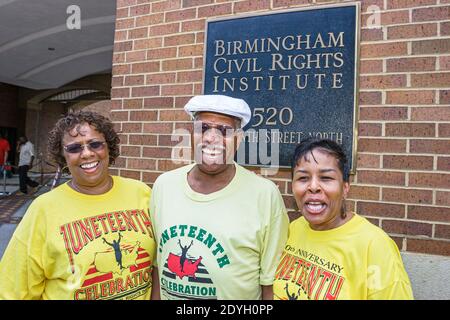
[296,69]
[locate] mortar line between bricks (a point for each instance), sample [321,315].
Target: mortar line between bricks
[400,41]
[403,154]
[419,89]
[407,137]
[402,171]
[393,10]
[404,106]
[405,73]
[442,5]
[408,236]
[405,204]
[383,97]
[384,31]
[417,237]
[399,187]
[421,171]
[424,55]
[442,239]
[403,24]
[433,230]
[154,73]
[410,220]
[438,64]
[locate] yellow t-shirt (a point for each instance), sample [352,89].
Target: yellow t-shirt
[75,246]
[222,245]
[356,261]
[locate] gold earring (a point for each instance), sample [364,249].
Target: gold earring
[343,210]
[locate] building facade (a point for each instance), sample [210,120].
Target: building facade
[402,179]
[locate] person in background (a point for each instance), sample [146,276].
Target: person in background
[4,152]
[220,228]
[26,159]
[333,253]
[90,238]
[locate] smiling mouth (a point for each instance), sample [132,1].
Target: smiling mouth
[315,207]
[213,151]
[90,165]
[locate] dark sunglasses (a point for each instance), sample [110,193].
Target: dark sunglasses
[225,131]
[78,147]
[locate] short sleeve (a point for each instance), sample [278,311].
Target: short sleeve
[153,209]
[386,275]
[22,274]
[276,234]
[31,150]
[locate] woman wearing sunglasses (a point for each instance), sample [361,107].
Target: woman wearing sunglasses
[90,238]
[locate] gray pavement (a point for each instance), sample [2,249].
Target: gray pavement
[7,229]
[12,186]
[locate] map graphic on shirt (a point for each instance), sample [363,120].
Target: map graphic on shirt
[102,283]
[180,265]
[188,268]
[185,276]
[198,287]
[120,268]
[108,261]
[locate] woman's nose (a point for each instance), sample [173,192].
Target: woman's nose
[314,185]
[86,152]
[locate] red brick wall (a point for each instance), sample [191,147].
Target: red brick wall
[403,156]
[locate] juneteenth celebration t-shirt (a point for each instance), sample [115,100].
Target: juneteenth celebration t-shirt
[82,247]
[356,261]
[222,245]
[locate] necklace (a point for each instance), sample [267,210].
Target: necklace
[74,186]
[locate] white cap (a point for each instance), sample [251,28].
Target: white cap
[220,104]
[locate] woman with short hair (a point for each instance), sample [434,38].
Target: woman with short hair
[90,238]
[333,253]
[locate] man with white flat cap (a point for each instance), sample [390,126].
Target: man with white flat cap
[220,228]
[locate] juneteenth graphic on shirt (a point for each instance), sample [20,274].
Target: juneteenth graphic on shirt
[121,269]
[185,272]
[309,275]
